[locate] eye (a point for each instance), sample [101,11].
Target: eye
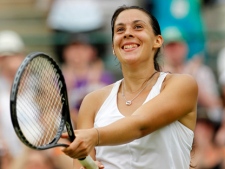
[120,29]
[138,26]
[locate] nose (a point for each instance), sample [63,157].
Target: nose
[128,33]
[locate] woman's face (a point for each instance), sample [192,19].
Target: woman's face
[134,39]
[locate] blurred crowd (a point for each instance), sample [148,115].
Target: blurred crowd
[83,62]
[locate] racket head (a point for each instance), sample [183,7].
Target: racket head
[39,102]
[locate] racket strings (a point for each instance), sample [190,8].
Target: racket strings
[40,113]
[54,100]
[28,119]
[48,121]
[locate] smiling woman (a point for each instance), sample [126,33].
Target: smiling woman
[146,119]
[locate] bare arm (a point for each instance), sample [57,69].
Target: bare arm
[176,101]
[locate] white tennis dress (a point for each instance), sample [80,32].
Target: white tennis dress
[166,148]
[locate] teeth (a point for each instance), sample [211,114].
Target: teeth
[130,46]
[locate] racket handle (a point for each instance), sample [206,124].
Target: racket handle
[88,163]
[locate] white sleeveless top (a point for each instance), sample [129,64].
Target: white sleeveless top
[166,148]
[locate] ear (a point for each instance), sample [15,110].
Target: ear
[113,50]
[158,41]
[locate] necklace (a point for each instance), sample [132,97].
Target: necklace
[129,102]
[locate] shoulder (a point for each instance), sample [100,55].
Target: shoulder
[100,93]
[90,106]
[182,85]
[182,81]
[97,97]
[178,76]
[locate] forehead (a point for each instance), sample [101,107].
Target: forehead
[131,15]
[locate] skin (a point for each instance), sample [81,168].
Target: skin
[177,100]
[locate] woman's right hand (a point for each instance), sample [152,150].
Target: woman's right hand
[83,144]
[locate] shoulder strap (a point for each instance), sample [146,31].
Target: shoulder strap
[157,87]
[116,86]
[160,80]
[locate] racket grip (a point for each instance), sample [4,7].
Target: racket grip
[88,163]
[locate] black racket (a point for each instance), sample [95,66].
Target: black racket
[39,105]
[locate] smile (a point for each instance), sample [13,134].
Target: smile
[130,46]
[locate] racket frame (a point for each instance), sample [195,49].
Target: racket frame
[65,120]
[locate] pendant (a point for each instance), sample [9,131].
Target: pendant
[128,103]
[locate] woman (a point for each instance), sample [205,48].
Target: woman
[145,120]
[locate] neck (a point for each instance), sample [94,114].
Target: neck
[139,91]
[134,82]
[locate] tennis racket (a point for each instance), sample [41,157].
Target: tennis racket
[39,105]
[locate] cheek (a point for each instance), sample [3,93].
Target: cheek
[147,40]
[116,41]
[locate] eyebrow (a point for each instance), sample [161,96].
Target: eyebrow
[135,21]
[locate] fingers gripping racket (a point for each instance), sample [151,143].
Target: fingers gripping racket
[39,105]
